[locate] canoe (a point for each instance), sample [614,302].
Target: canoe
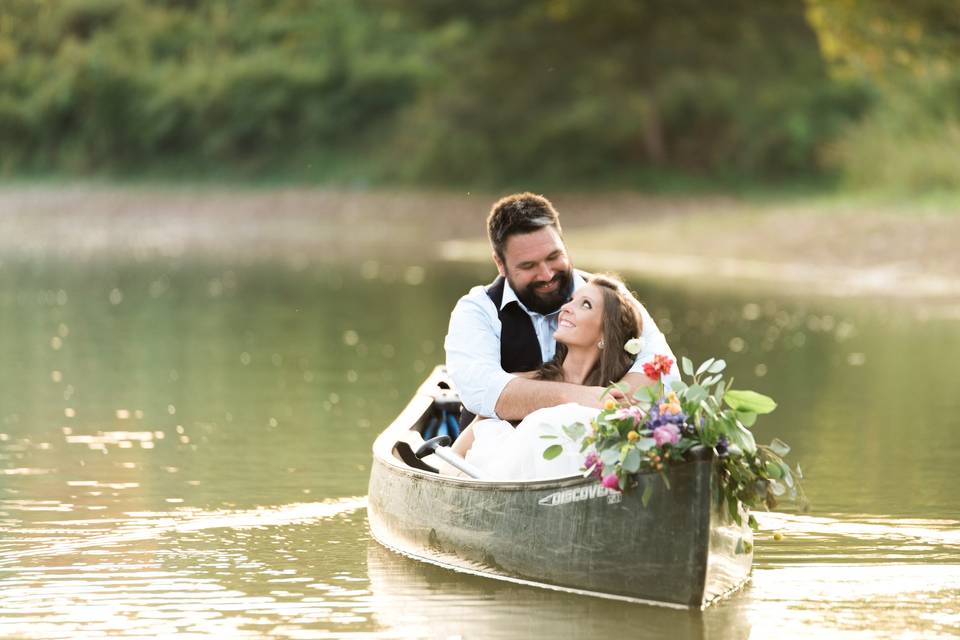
[681,550]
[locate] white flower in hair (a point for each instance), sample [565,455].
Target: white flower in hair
[633,346]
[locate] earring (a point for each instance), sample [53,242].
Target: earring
[600,345]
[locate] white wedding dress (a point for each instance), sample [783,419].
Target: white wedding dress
[503,452]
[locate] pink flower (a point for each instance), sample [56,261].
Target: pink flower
[611,482]
[629,413]
[593,460]
[667,434]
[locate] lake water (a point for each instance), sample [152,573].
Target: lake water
[185,446]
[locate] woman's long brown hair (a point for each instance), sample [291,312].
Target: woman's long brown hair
[621,321]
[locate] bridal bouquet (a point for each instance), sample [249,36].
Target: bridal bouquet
[656,426]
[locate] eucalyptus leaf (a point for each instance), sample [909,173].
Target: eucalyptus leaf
[575,431]
[609,456]
[645,444]
[779,447]
[717,366]
[777,487]
[679,386]
[718,392]
[787,476]
[696,394]
[749,401]
[706,365]
[631,463]
[740,436]
[647,494]
[686,366]
[552,451]
[711,380]
[799,471]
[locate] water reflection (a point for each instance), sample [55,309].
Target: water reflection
[420,600]
[180,441]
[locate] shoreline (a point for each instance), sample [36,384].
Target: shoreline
[833,248]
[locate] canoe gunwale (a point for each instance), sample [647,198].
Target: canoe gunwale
[414,413]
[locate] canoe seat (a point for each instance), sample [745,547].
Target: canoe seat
[405,452]
[409,443]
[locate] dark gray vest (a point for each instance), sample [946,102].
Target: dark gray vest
[519,347]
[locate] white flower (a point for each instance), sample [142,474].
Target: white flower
[633,346]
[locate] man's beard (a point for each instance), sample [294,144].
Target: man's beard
[545,303]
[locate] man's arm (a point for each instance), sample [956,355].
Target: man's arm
[522,396]
[473,354]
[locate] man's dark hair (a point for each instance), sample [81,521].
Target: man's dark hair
[519,213]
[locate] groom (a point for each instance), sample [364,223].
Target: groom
[507,327]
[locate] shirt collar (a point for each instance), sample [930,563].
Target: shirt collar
[509,295]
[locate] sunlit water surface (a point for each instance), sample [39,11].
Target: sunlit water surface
[184,448]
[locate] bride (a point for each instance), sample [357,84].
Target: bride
[591,332]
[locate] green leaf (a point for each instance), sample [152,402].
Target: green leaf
[575,431]
[799,471]
[686,365]
[552,451]
[678,386]
[706,365]
[773,469]
[749,401]
[787,476]
[711,380]
[631,462]
[777,487]
[747,418]
[609,456]
[717,367]
[647,494]
[740,436]
[696,394]
[779,447]
[548,436]
[645,444]
[718,392]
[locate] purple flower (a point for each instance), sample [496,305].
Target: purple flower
[611,482]
[593,460]
[657,418]
[666,434]
[722,445]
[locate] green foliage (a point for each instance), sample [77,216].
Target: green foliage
[646,434]
[908,56]
[545,91]
[120,84]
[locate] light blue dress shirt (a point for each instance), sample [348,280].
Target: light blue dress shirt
[473,346]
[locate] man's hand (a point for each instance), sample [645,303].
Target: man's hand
[522,396]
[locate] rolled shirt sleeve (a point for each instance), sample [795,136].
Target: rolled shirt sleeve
[473,353]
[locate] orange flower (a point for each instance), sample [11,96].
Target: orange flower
[671,406]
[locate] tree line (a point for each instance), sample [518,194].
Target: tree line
[488,92]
